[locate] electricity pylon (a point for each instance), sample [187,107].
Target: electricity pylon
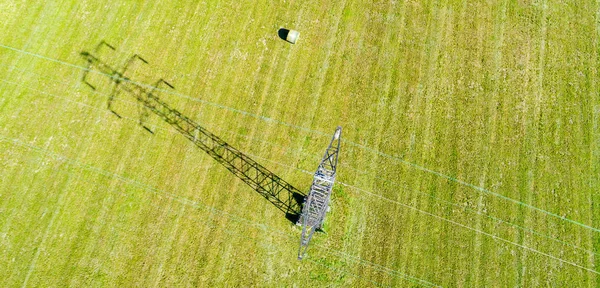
[317,202]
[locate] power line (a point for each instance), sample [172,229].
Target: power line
[180,199]
[490,217]
[228,231]
[478,231]
[268,119]
[467,227]
[473,229]
[477,188]
[348,166]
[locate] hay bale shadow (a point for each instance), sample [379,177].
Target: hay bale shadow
[283,33]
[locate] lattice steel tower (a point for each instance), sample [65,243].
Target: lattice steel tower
[316,203]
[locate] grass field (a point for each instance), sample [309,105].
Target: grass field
[470,153]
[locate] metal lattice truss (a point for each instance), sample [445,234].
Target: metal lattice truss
[317,202]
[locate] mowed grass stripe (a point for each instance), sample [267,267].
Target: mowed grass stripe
[58,206]
[287,82]
[363,36]
[374,85]
[216,199]
[28,249]
[426,105]
[494,122]
[264,90]
[230,199]
[595,138]
[487,160]
[386,112]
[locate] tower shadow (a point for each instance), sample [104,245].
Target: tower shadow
[280,193]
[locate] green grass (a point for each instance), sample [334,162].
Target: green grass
[444,106]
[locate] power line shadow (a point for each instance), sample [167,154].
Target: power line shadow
[280,193]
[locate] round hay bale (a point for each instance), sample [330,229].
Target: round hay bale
[292,36]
